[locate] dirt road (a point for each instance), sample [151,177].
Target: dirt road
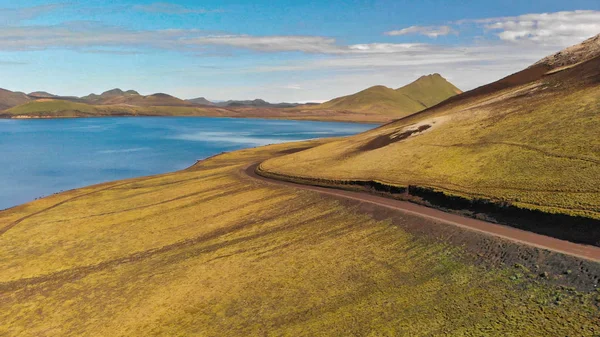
[587,252]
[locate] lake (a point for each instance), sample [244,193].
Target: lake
[41,157]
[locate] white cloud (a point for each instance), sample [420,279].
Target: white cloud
[12,63]
[329,68]
[424,56]
[293,87]
[15,15]
[81,34]
[92,35]
[548,29]
[430,31]
[559,28]
[384,48]
[168,8]
[307,44]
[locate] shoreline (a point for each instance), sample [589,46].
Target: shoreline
[292,118]
[195,239]
[484,247]
[189,164]
[387,198]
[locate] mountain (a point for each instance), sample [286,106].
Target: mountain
[158,99]
[118,92]
[132,97]
[429,90]
[524,150]
[51,108]
[425,92]
[256,103]
[41,94]
[586,50]
[9,99]
[110,94]
[200,101]
[93,98]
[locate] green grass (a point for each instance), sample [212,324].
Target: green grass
[63,108]
[416,96]
[535,146]
[429,90]
[51,107]
[208,251]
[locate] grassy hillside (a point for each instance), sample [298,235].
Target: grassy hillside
[64,108]
[132,97]
[9,98]
[51,108]
[429,90]
[209,251]
[416,96]
[530,140]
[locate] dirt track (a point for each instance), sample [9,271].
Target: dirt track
[586,252]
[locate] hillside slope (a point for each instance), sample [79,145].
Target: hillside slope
[528,141]
[9,99]
[210,251]
[429,90]
[60,107]
[49,108]
[416,96]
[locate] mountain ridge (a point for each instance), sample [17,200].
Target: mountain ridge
[420,94]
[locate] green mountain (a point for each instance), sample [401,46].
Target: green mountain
[425,92]
[133,98]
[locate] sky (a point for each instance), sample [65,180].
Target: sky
[281,51]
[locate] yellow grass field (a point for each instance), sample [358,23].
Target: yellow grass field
[209,251]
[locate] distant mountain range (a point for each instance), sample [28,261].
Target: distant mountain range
[377,103]
[117,96]
[132,97]
[256,103]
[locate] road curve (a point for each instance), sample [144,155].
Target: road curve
[587,252]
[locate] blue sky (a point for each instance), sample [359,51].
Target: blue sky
[276,50]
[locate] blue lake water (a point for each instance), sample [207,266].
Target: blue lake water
[41,157]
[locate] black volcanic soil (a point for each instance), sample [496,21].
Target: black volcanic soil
[385,140]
